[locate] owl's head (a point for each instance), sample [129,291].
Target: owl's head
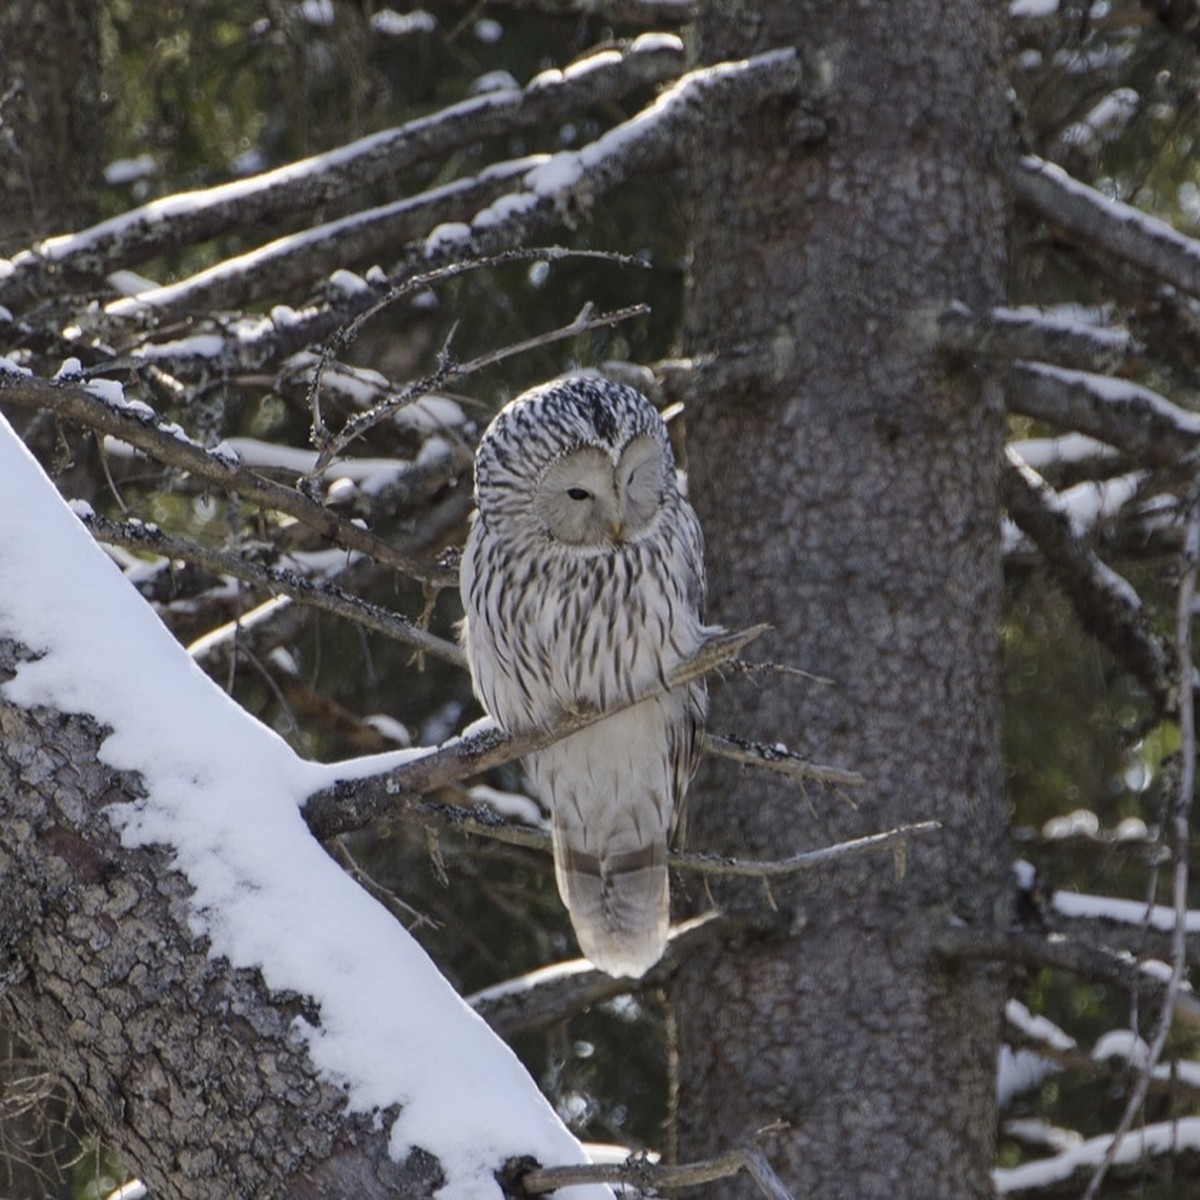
[586,462]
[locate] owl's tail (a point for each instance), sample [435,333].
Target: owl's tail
[617,897]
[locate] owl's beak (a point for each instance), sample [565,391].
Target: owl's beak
[615,527]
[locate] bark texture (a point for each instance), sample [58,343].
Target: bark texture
[191,1068]
[849,496]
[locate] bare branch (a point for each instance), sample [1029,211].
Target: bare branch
[326,181]
[1061,954]
[1099,223]
[145,430]
[1180,834]
[136,535]
[645,1175]
[1126,415]
[779,759]
[1106,604]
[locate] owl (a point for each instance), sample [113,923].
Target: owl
[583,585]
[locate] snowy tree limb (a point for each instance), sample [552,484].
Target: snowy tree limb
[1099,223]
[143,429]
[1015,333]
[1133,418]
[1106,604]
[330,180]
[1180,832]
[136,535]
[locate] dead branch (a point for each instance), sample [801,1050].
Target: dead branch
[640,1172]
[1061,954]
[779,759]
[146,431]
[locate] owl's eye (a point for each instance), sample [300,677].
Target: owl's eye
[578,493]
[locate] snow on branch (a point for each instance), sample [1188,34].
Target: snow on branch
[336,178]
[1098,223]
[1059,337]
[101,406]
[1144,424]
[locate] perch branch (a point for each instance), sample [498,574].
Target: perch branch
[343,808]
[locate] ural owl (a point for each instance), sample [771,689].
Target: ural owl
[583,584]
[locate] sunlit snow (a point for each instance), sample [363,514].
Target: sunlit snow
[225,793]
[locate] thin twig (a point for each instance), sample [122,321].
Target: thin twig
[779,759]
[1180,832]
[450,371]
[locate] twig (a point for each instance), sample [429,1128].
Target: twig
[715,864]
[1180,833]
[316,593]
[643,1174]
[779,759]
[449,371]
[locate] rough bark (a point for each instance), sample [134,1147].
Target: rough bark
[51,152]
[849,497]
[187,1065]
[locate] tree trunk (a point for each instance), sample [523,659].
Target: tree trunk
[51,117]
[189,1066]
[849,496]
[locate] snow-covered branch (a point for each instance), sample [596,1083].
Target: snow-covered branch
[1108,226]
[1107,605]
[1028,333]
[1133,418]
[102,407]
[332,180]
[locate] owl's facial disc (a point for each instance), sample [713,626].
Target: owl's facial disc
[583,500]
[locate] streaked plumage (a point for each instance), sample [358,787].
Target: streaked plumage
[583,584]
